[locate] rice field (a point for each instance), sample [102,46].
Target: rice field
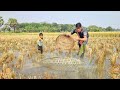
[20,59]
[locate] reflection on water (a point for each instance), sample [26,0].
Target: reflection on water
[85,70]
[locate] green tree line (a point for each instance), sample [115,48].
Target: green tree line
[13,26]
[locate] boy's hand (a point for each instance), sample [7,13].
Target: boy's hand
[81,42]
[67,35]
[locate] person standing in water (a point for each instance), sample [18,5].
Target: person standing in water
[40,43]
[82,38]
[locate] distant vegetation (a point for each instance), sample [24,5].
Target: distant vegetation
[13,26]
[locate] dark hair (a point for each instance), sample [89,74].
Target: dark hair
[78,25]
[40,34]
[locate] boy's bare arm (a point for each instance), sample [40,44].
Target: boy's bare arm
[82,39]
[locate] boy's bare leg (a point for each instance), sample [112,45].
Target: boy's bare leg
[78,51]
[82,51]
[41,49]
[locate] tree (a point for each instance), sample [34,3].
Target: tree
[1,21]
[109,29]
[64,27]
[6,28]
[94,28]
[54,24]
[12,23]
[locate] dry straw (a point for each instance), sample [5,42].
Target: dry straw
[64,42]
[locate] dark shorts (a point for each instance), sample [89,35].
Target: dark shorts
[79,44]
[82,47]
[40,48]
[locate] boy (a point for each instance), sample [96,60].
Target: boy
[40,42]
[82,38]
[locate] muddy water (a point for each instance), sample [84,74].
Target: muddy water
[63,70]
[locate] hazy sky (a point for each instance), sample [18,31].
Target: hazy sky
[99,18]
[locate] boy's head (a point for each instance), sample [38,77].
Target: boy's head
[41,35]
[78,27]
